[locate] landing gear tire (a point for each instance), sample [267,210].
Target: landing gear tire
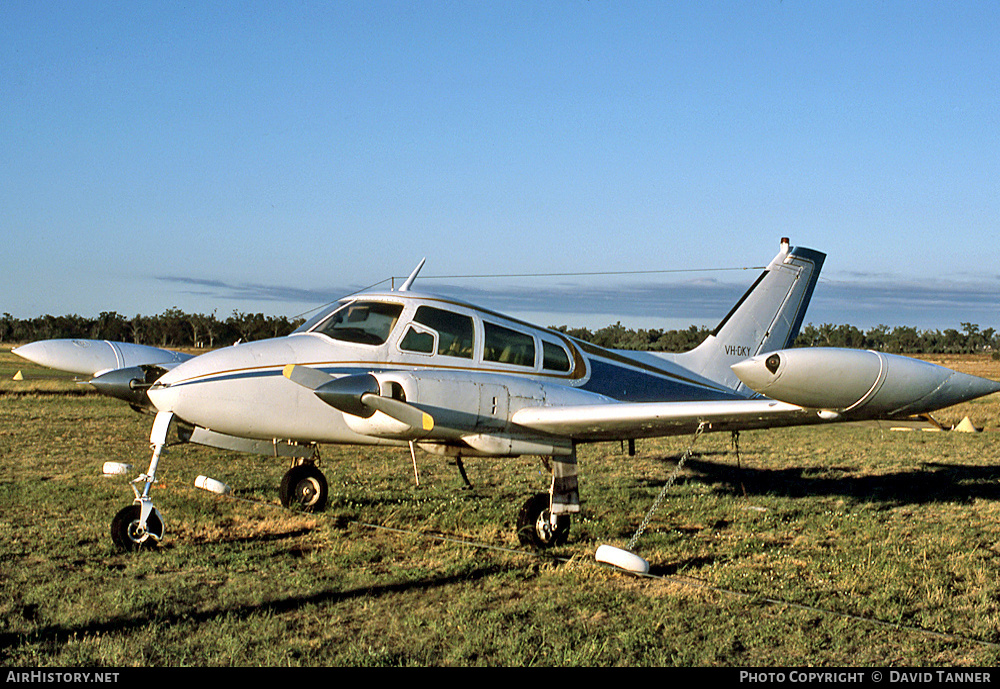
[304,487]
[535,527]
[126,534]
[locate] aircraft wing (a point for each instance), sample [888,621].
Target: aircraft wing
[614,421]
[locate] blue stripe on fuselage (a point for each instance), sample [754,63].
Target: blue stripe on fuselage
[271,372]
[628,385]
[613,380]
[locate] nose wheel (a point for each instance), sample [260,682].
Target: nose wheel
[130,535]
[304,487]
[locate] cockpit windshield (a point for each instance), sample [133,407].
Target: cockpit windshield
[314,319]
[363,322]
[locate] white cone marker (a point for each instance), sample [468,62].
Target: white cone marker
[211,485]
[622,559]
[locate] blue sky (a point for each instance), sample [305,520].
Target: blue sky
[274,156]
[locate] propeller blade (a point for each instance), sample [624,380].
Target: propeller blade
[357,395]
[305,376]
[401,411]
[343,394]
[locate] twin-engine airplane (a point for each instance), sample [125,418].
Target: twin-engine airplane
[401,368]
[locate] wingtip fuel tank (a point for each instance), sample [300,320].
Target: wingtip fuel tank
[859,383]
[92,357]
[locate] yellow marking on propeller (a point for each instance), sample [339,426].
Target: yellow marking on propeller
[428,422]
[287,371]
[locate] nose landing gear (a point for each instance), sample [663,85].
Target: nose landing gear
[140,526]
[131,531]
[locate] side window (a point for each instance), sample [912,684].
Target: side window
[554,357]
[418,339]
[506,346]
[455,331]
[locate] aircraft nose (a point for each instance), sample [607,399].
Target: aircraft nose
[181,383]
[217,388]
[162,396]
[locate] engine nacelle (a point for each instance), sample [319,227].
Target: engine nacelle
[129,384]
[857,382]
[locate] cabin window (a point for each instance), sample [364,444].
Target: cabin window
[506,346]
[554,357]
[363,322]
[455,331]
[417,339]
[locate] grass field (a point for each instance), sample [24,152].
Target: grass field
[835,546]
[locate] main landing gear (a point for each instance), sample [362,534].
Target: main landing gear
[538,526]
[544,519]
[304,487]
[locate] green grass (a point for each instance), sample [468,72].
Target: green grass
[836,546]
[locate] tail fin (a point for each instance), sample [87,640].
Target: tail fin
[766,318]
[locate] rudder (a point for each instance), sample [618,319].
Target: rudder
[766,318]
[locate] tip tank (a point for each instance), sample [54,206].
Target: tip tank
[859,383]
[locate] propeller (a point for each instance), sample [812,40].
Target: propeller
[357,395]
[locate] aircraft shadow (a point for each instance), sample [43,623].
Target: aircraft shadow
[59,634]
[928,482]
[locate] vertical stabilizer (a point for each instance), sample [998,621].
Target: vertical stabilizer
[766,318]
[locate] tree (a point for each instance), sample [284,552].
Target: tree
[249,326]
[110,326]
[7,325]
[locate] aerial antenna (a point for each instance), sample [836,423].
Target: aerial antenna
[405,287]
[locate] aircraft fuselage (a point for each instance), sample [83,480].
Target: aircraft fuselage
[469,368]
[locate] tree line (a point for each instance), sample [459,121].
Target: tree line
[174,328]
[897,340]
